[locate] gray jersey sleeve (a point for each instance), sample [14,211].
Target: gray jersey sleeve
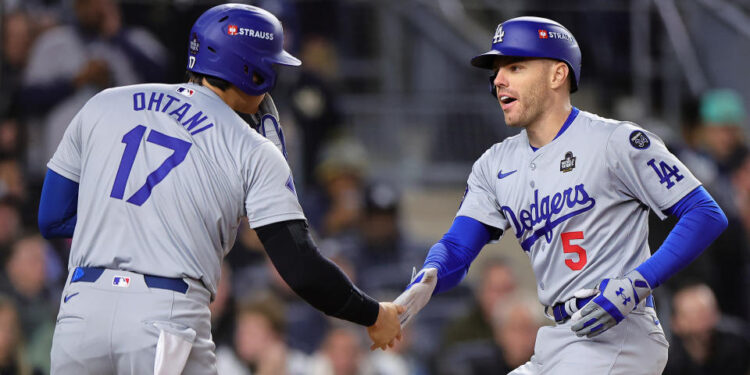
[480,202]
[645,170]
[67,158]
[270,195]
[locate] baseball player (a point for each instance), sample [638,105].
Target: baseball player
[576,190]
[151,182]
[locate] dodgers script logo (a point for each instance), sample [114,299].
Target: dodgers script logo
[547,210]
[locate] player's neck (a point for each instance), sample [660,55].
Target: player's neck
[236,99]
[544,129]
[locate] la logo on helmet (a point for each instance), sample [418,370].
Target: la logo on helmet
[499,33]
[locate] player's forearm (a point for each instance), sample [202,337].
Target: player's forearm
[701,221]
[313,277]
[58,206]
[453,254]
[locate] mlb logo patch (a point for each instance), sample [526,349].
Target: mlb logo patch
[186,91]
[543,34]
[121,281]
[232,30]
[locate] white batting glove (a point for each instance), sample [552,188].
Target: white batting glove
[266,122]
[417,293]
[616,299]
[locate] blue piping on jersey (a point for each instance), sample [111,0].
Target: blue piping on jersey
[572,116]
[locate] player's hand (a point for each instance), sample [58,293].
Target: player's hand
[417,293]
[266,122]
[387,328]
[616,299]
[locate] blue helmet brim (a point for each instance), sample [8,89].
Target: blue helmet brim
[486,59]
[285,58]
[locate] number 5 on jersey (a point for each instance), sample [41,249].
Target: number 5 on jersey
[132,141]
[569,248]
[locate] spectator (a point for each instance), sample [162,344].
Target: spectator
[12,358]
[25,280]
[10,224]
[515,321]
[247,259]
[703,342]
[497,282]
[259,346]
[47,13]
[382,248]
[306,327]
[11,179]
[688,148]
[342,353]
[70,63]
[12,142]
[399,360]
[222,308]
[723,117]
[314,101]
[725,265]
[17,37]
[337,209]
[731,251]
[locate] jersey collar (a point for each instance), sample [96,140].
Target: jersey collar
[204,90]
[572,116]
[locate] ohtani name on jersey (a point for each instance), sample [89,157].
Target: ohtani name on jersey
[548,210]
[161,102]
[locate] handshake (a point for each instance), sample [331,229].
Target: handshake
[394,316]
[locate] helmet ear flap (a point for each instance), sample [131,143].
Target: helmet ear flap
[266,78]
[493,89]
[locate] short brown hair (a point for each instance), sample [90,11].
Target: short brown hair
[197,78]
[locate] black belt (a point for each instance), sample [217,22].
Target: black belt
[561,315]
[91,274]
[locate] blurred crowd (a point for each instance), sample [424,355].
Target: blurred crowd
[55,57]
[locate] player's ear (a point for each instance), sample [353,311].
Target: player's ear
[559,74]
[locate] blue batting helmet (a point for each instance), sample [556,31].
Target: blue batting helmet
[233,41]
[534,37]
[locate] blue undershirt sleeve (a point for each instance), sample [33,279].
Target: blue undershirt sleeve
[58,206]
[701,221]
[453,254]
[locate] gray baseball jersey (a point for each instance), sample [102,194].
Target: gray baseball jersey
[578,205]
[165,173]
